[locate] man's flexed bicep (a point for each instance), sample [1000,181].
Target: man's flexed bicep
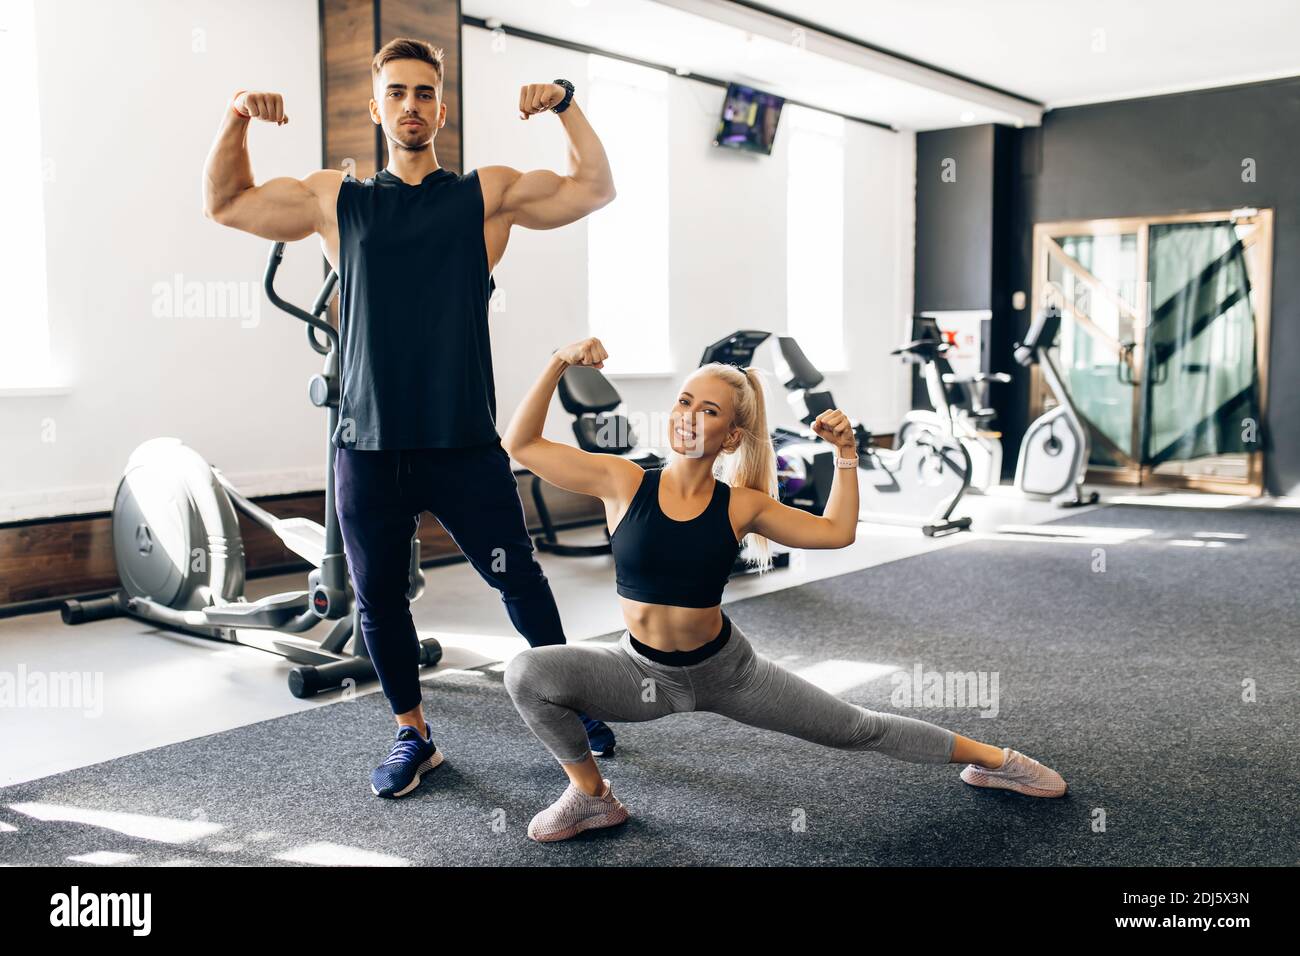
[542,199]
[281,209]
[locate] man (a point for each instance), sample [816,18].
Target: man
[415,247]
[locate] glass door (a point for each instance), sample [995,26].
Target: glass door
[1094,278]
[1163,343]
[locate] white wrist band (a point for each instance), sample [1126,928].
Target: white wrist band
[845,462]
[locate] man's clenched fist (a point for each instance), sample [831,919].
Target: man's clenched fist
[539,97]
[263,106]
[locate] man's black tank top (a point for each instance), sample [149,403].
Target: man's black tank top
[659,560]
[413,314]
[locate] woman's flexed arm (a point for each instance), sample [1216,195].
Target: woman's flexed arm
[559,464]
[837,527]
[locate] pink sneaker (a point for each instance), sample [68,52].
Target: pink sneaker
[1018,772]
[575,812]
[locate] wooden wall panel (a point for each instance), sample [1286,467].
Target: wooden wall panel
[347,47]
[352,31]
[437,21]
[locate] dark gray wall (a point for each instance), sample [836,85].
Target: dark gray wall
[954,220]
[1184,153]
[1152,156]
[966,233]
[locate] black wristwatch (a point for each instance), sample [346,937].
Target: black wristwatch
[563,105]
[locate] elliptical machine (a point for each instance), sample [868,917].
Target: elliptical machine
[1054,452]
[180,556]
[958,402]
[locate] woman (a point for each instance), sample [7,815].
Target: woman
[676,533]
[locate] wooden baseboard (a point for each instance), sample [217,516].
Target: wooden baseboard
[54,558]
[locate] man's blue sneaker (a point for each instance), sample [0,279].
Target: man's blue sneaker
[599,737]
[412,756]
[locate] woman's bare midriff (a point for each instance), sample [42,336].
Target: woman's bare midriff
[668,628]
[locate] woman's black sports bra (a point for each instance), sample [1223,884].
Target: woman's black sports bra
[659,560]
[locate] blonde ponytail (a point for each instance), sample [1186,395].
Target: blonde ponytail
[753,463]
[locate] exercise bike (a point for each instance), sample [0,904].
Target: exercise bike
[180,556]
[918,483]
[958,402]
[1054,452]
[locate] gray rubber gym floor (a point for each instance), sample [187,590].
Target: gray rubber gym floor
[1164,688]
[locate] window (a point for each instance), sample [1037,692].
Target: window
[815,234]
[25,354]
[627,241]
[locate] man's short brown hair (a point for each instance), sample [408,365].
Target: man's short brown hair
[405,48]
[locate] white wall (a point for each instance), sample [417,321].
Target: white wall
[726,219]
[131,96]
[124,213]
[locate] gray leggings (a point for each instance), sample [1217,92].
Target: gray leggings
[550,684]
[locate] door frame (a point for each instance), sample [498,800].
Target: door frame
[1045,249]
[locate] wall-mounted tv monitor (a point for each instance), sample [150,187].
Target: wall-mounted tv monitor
[748,119]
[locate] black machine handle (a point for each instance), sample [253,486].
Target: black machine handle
[312,318]
[921,345]
[318,309]
[326,293]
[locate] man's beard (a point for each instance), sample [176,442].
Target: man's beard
[411,148]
